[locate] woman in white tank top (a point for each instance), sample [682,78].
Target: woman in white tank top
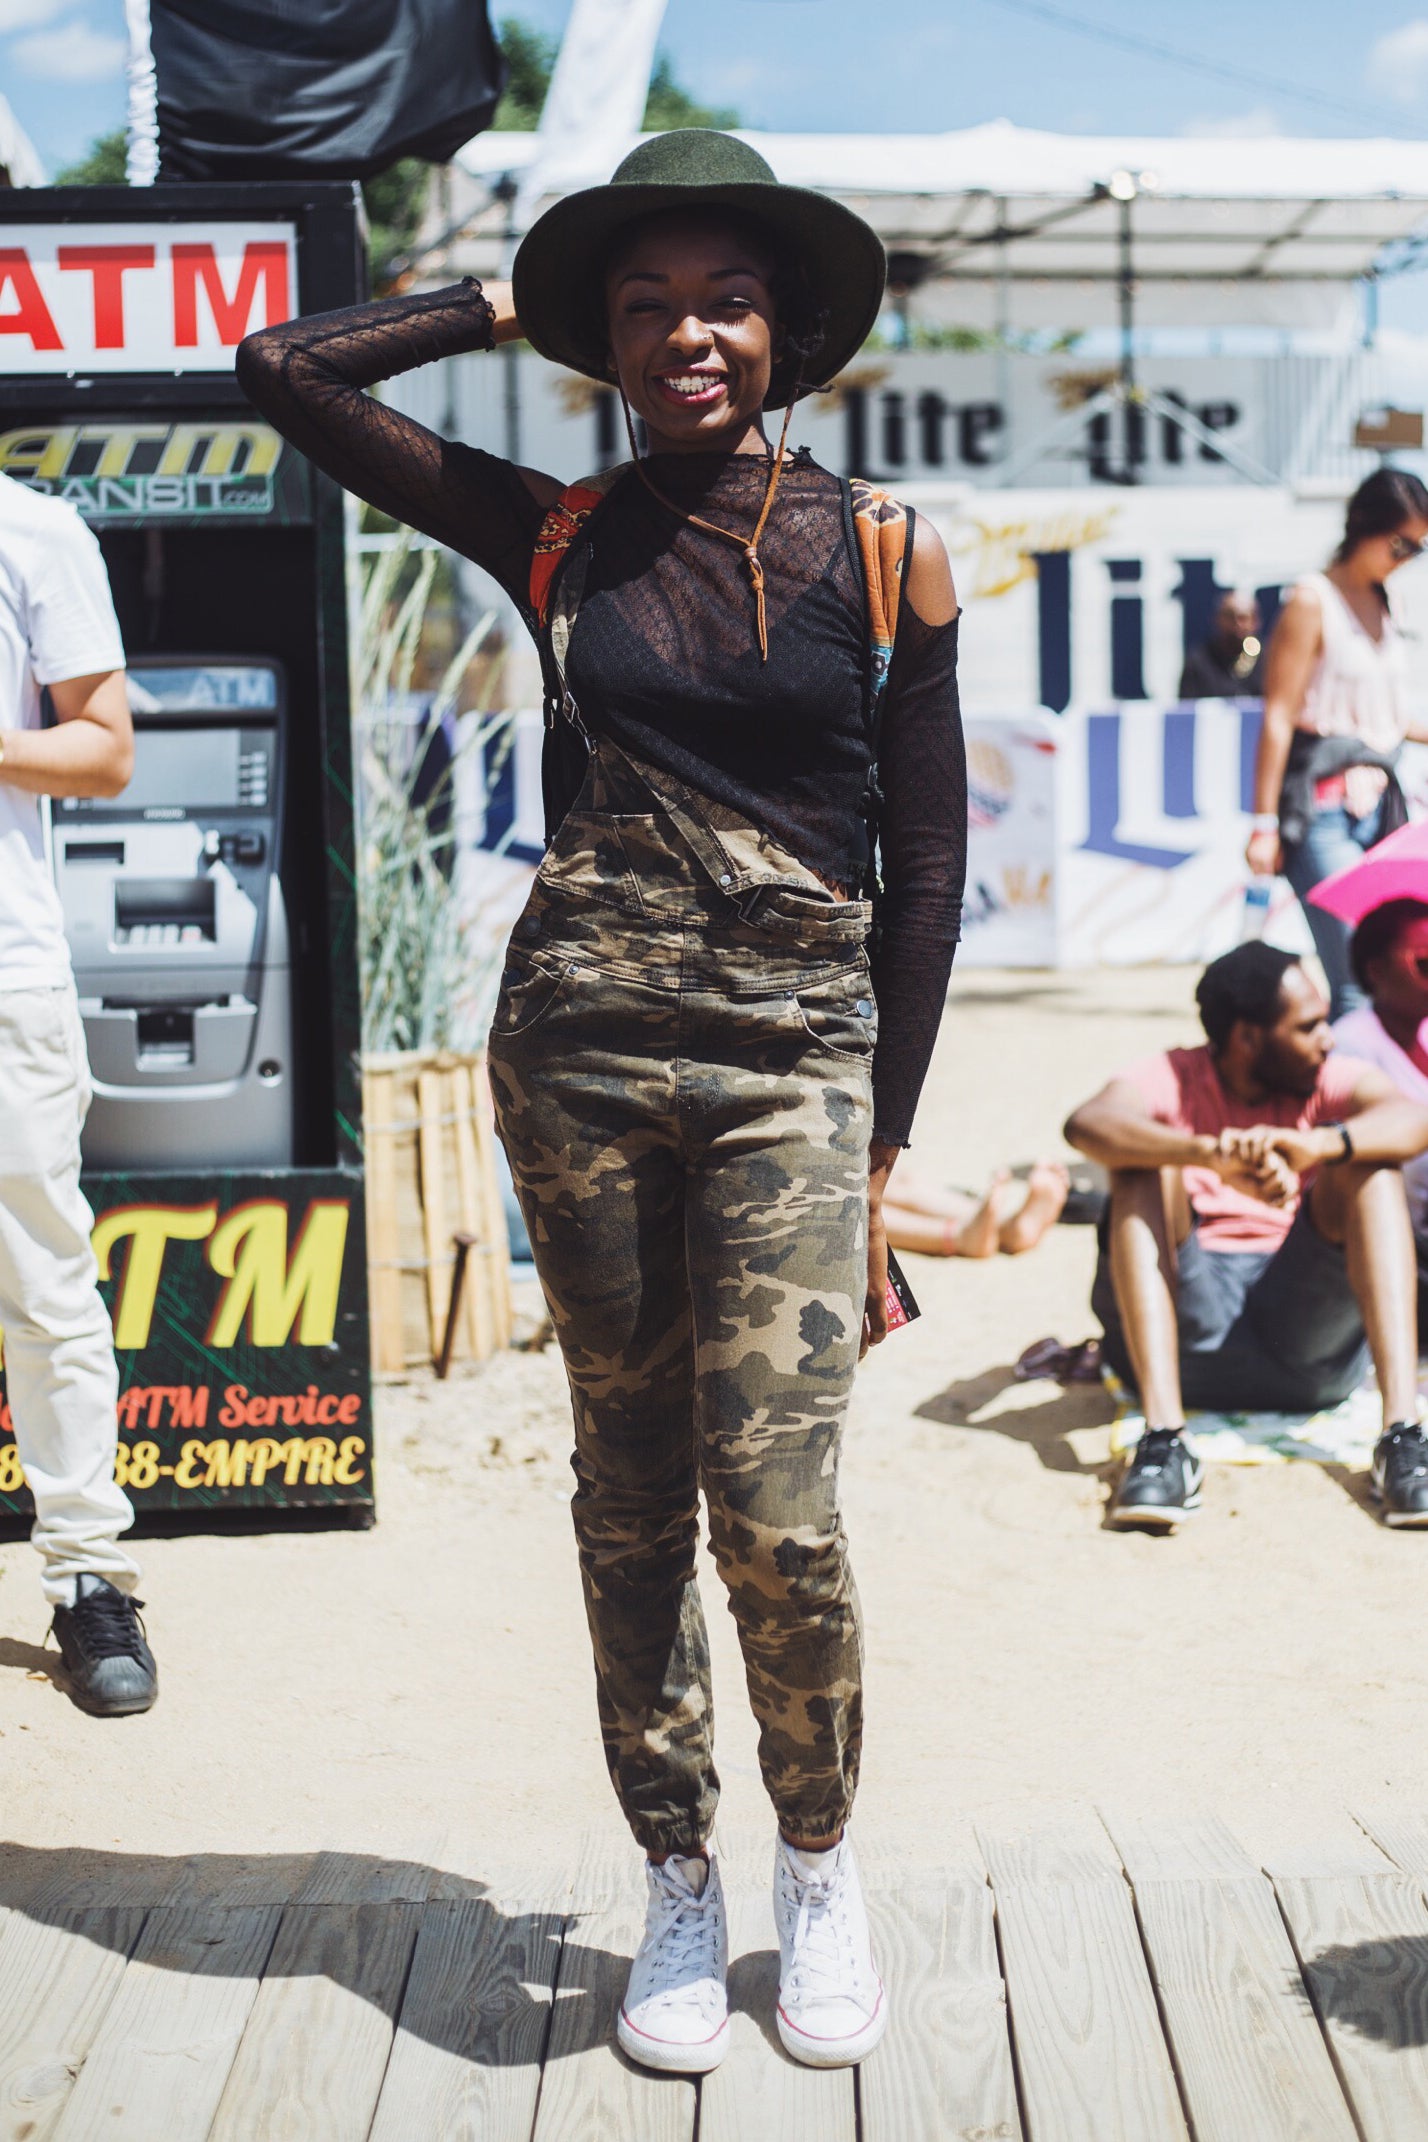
[1336,672]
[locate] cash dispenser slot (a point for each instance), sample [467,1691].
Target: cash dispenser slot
[165,911]
[195,1044]
[95,851]
[165,1037]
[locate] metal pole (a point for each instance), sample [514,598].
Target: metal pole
[1127,295]
[1004,331]
[1129,410]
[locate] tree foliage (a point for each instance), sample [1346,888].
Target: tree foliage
[670,104]
[530,58]
[103,163]
[530,62]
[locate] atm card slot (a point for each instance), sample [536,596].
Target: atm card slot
[94,851]
[165,911]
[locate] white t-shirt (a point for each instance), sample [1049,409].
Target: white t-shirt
[56,621]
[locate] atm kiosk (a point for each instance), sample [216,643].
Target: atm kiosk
[177,926]
[210,908]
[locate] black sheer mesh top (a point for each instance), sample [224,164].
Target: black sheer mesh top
[664,657]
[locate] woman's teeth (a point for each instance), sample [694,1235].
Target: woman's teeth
[692,383]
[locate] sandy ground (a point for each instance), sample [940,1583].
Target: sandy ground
[426,1686]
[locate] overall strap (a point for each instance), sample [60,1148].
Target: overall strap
[559,564]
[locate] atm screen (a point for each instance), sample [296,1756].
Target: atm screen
[214,687]
[190,767]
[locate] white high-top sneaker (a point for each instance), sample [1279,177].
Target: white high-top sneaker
[832,2007]
[675,2014]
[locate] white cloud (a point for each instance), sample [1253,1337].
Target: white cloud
[74,53]
[1257,124]
[1397,65]
[24,14]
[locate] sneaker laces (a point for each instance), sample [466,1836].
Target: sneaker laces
[1155,1449]
[108,1624]
[825,1954]
[685,1929]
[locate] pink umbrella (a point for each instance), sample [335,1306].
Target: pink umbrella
[1397,869]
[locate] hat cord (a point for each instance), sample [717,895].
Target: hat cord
[749,545]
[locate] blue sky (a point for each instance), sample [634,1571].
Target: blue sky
[812,64]
[932,64]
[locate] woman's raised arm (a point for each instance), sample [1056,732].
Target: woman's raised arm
[308,378]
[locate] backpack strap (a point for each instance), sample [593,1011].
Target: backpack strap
[563,524]
[881,530]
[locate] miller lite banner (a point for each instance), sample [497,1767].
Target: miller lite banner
[141,296]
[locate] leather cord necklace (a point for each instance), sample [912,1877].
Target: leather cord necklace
[749,545]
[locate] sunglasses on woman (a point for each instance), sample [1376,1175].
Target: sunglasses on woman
[1401,548]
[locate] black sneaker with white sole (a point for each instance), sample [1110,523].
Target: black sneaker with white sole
[109,1665]
[1399,1478]
[1161,1484]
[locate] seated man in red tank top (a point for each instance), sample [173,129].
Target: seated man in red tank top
[1257,1248]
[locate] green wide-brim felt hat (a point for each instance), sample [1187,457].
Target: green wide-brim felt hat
[559,273]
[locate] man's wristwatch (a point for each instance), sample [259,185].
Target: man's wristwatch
[1346,1144]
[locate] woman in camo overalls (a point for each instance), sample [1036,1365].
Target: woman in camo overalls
[702,1079]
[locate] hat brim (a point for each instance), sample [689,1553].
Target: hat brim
[559,270]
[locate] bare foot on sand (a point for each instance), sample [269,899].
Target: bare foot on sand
[981,1234]
[1046,1189]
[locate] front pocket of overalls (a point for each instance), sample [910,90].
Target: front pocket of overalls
[840,1016]
[528,994]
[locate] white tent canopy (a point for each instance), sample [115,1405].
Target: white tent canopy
[1017,225]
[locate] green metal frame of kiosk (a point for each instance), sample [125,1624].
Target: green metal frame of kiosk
[239,1292]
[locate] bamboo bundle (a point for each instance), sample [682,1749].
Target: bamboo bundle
[431,1173]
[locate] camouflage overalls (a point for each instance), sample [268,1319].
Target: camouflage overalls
[681,1062]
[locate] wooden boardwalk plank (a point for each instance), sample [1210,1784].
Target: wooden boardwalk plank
[1185,1848]
[236,1879]
[466,2062]
[1363,1944]
[1402,1832]
[1062,1845]
[944,2071]
[57,1977]
[314,2051]
[73,1878]
[1086,2030]
[164,2048]
[759,2091]
[398,1877]
[589,2091]
[1246,2042]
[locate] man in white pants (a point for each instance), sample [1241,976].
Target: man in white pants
[58,629]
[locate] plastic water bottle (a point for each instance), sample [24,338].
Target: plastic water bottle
[1258,894]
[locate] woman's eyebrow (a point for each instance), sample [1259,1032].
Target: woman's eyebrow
[716,275]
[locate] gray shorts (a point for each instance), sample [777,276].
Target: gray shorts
[1259,1333]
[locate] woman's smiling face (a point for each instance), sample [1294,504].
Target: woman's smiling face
[692,331]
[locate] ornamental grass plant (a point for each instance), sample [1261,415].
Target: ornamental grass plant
[430,946]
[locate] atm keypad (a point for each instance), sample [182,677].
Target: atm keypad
[253,780]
